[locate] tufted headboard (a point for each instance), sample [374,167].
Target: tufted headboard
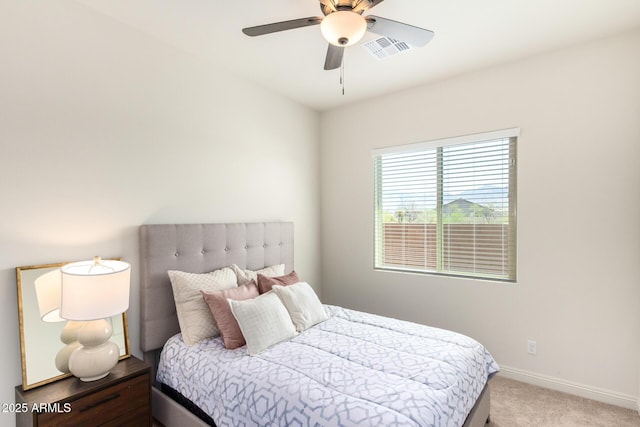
[199,248]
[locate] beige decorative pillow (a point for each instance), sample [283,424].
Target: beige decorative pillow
[194,317]
[302,303]
[246,276]
[264,321]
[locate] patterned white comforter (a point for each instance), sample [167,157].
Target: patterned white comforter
[355,369]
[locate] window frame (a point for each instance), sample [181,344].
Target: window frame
[513,135]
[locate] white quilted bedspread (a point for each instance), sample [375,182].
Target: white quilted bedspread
[355,369]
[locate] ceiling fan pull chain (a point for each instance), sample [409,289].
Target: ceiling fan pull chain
[342,76]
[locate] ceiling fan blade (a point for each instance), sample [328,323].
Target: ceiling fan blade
[366,5]
[415,36]
[334,57]
[327,6]
[281,26]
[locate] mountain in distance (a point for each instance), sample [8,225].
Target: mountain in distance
[485,195]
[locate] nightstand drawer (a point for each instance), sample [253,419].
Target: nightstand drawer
[122,398]
[121,404]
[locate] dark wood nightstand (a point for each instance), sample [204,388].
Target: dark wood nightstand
[122,398]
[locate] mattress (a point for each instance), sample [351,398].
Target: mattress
[355,369]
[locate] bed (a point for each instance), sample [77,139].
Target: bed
[337,386]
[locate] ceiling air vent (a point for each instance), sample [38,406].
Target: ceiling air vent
[385,47]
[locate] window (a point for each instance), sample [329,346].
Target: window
[448,206]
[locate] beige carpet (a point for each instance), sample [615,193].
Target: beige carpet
[516,404]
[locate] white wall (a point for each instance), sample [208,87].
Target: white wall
[578,207]
[103,129]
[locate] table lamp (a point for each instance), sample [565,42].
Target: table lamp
[93,291]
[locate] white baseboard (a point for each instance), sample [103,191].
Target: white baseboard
[589,392]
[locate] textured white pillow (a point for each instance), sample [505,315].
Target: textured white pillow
[264,321]
[194,316]
[246,276]
[302,303]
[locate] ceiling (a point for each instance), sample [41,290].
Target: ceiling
[469,35]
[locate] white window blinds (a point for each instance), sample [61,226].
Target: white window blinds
[448,206]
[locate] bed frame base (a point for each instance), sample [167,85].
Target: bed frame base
[170,413]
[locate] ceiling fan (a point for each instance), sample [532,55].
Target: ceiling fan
[344,25]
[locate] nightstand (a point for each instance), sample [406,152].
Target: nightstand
[122,398]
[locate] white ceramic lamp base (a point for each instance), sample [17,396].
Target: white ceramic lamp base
[69,336]
[97,356]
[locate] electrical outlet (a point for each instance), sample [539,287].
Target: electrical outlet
[531,347]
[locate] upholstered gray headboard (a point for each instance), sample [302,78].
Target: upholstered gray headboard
[199,248]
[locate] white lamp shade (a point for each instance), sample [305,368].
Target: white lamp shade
[48,294]
[94,289]
[343,28]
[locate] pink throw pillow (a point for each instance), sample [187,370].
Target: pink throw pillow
[266,283]
[221,311]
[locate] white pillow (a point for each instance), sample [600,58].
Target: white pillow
[194,316]
[246,276]
[302,303]
[264,321]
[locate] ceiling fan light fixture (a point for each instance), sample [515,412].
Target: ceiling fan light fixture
[343,28]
